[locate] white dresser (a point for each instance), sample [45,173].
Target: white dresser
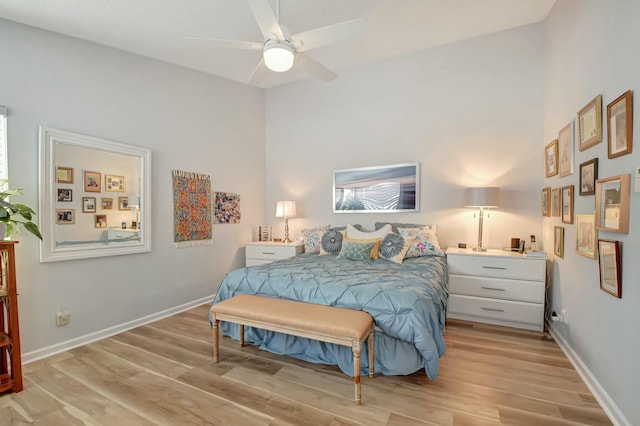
[497,287]
[122,234]
[261,252]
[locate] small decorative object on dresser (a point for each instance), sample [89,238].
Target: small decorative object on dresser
[261,252]
[497,287]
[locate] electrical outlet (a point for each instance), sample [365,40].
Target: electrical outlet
[62,318]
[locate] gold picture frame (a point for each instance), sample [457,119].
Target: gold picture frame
[546,201]
[123,203]
[106,203]
[590,124]
[113,183]
[612,203]
[555,202]
[551,158]
[558,241]
[88,204]
[566,155]
[92,181]
[100,221]
[567,204]
[586,235]
[620,125]
[65,216]
[64,175]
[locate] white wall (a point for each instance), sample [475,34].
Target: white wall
[189,120]
[470,113]
[591,48]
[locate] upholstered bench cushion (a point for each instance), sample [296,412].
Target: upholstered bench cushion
[325,320]
[325,323]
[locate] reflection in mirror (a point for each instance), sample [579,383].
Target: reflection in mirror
[94,197]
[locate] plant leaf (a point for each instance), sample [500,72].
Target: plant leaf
[33,228]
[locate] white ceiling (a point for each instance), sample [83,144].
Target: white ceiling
[156,28]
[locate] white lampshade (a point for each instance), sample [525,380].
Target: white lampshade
[286,209]
[278,57]
[486,197]
[134,201]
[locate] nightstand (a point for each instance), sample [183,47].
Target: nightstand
[261,252]
[497,287]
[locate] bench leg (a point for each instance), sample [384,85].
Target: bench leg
[357,367]
[241,335]
[371,347]
[216,341]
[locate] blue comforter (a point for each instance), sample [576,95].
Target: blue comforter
[407,301]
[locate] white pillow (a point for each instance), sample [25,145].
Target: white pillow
[361,235]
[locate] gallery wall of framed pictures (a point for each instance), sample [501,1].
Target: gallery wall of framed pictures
[92,183]
[611,205]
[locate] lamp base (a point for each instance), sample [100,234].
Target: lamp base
[479,249]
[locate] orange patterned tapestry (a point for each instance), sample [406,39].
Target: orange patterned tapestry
[192,209]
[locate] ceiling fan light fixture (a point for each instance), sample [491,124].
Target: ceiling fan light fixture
[278,56]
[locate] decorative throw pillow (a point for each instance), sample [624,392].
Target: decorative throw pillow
[352,232]
[425,243]
[353,250]
[374,250]
[394,246]
[312,239]
[331,241]
[396,225]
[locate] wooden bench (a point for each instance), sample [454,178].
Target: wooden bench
[341,326]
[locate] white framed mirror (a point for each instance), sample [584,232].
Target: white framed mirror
[94,197]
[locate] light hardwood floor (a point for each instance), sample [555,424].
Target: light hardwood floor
[162,373]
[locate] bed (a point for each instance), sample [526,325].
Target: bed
[407,301]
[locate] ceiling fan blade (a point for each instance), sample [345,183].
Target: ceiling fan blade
[314,67]
[233,44]
[266,19]
[330,34]
[259,73]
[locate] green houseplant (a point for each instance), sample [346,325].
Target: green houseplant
[11,215]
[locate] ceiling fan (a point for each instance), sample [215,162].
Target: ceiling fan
[280,50]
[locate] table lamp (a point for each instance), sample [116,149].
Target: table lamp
[482,198]
[286,209]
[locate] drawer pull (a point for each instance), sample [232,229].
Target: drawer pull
[493,288]
[492,309]
[268,252]
[494,267]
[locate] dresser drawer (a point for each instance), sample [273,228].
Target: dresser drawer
[265,252]
[496,266]
[497,288]
[502,311]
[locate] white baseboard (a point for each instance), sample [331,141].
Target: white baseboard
[608,405]
[48,351]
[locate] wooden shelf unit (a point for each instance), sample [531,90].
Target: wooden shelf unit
[10,360]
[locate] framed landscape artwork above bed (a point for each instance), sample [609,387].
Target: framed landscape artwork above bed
[379,189]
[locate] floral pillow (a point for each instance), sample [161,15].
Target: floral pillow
[425,243]
[393,247]
[331,241]
[312,239]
